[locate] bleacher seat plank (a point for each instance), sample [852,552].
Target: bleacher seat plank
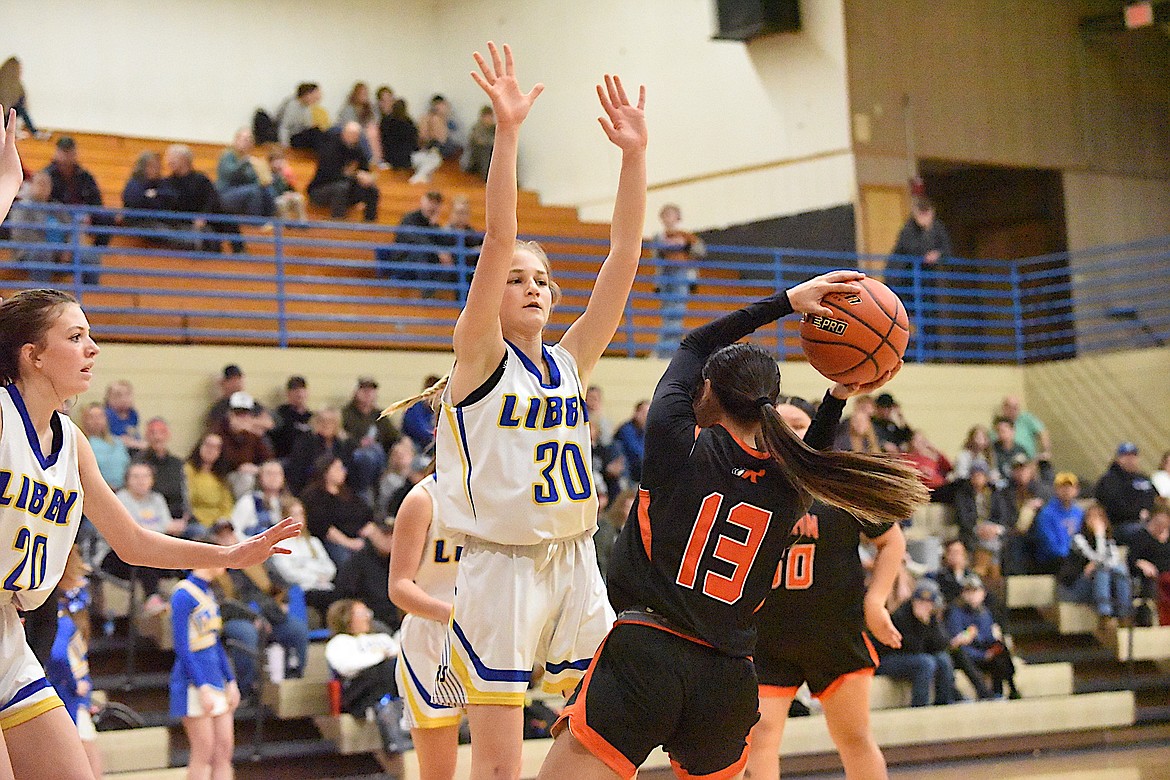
[296,698]
[1033,680]
[1072,618]
[349,734]
[135,749]
[175,773]
[1031,590]
[1149,643]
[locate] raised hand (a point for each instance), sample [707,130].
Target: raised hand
[806,296]
[625,124]
[843,391]
[510,104]
[11,174]
[260,547]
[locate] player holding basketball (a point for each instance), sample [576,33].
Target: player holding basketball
[513,449]
[48,475]
[812,627]
[714,515]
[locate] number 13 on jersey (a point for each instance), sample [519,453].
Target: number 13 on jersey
[747,526]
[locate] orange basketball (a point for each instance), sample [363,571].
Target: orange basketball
[865,337]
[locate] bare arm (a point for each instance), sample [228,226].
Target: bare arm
[478,340]
[139,547]
[891,548]
[410,538]
[11,174]
[625,125]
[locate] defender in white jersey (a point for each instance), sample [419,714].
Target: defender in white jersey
[422,584]
[528,591]
[47,472]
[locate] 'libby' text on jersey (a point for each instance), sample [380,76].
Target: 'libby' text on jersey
[542,413]
[36,498]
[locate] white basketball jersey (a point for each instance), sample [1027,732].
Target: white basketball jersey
[436,570]
[40,502]
[515,467]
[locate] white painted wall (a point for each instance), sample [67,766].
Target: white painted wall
[725,117]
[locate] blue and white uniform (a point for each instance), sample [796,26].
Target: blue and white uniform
[422,639]
[515,488]
[68,668]
[199,657]
[40,510]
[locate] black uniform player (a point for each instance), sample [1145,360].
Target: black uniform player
[698,556]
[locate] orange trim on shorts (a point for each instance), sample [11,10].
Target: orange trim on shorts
[679,634]
[644,518]
[721,774]
[873,655]
[573,717]
[833,686]
[778,691]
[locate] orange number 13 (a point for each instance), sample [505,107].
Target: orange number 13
[739,552]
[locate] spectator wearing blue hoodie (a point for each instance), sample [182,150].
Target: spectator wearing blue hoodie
[1055,525]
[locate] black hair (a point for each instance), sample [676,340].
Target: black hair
[875,488]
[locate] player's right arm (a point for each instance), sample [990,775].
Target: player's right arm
[410,540]
[479,340]
[11,173]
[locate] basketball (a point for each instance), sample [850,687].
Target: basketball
[865,337]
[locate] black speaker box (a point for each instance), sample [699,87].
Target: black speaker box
[743,20]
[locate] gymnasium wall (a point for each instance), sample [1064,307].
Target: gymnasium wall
[739,132]
[179,383]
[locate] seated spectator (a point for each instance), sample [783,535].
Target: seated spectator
[364,660]
[480,141]
[977,642]
[149,509]
[12,95]
[188,191]
[399,135]
[460,235]
[35,225]
[238,181]
[419,420]
[1126,494]
[75,186]
[366,575]
[858,433]
[1026,493]
[595,404]
[976,448]
[384,99]
[230,383]
[170,478]
[437,129]
[1149,560]
[423,231]
[142,189]
[1031,434]
[1006,450]
[1160,479]
[362,419]
[1095,573]
[343,176]
[335,515]
[933,467]
[260,509]
[631,440]
[982,513]
[211,498]
[259,588]
[609,467]
[111,454]
[400,468]
[893,432]
[244,446]
[358,108]
[297,124]
[281,183]
[1055,525]
[951,571]
[924,657]
[122,416]
[291,419]
[610,524]
[327,438]
[307,564]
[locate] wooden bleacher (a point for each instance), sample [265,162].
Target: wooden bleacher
[196,307]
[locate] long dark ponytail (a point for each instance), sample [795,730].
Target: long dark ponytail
[875,488]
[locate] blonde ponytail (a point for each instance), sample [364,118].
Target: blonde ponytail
[431,395]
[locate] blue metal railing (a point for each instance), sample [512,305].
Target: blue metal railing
[328,283]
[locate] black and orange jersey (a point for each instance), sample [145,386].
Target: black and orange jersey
[819,584]
[713,516]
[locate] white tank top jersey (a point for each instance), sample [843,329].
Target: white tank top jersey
[515,467]
[436,570]
[40,502]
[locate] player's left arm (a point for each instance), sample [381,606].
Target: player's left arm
[625,125]
[11,173]
[139,546]
[891,549]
